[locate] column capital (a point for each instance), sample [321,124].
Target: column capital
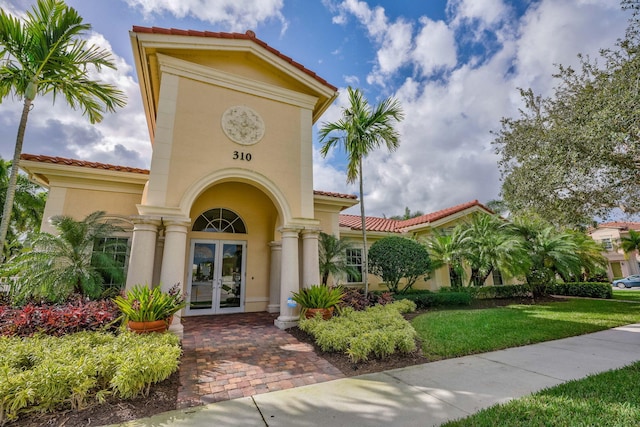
[289,232]
[275,245]
[145,220]
[310,233]
[179,221]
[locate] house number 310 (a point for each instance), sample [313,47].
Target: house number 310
[240,155]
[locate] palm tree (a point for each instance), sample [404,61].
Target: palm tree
[550,253]
[630,245]
[45,53]
[488,246]
[54,267]
[28,207]
[361,130]
[590,253]
[446,249]
[332,252]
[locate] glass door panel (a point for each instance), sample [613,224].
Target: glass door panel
[217,277]
[203,267]
[232,274]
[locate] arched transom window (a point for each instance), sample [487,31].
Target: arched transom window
[220,220]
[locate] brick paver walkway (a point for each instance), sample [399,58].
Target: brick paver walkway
[235,355]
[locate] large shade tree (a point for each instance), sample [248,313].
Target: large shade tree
[362,129]
[45,53]
[576,154]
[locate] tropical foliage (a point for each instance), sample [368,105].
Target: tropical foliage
[631,245]
[395,258]
[52,268]
[528,247]
[45,53]
[359,131]
[332,256]
[318,296]
[146,304]
[28,207]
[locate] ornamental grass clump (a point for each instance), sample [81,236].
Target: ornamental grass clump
[319,296]
[145,304]
[378,331]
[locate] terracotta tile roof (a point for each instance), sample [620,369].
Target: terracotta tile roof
[398,226]
[249,35]
[434,216]
[81,163]
[372,223]
[621,225]
[338,195]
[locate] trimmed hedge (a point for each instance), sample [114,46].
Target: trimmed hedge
[492,292]
[426,299]
[582,289]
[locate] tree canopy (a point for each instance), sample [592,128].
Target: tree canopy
[576,154]
[46,53]
[395,258]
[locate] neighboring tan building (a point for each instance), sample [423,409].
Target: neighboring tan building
[609,234]
[227,208]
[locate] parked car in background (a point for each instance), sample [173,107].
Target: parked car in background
[628,282]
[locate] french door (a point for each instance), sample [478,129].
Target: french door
[217,277]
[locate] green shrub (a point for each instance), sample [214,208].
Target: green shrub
[502,292]
[45,373]
[395,258]
[379,331]
[426,299]
[582,289]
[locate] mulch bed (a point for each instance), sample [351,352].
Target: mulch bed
[163,396]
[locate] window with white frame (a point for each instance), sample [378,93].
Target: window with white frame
[354,260]
[607,243]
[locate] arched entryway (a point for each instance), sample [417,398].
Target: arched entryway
[228,264]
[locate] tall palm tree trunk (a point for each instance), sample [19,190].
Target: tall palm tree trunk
[13,177]
[365,265]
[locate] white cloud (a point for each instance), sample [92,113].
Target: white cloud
[58,130]
[445,155]
[236,15]
[490,13]
[435,46]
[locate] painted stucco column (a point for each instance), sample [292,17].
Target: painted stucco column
[274,277]
[173,261]
[142,254]
[310,257]
[289,277]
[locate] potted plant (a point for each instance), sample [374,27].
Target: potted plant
[318,299]
[148,309]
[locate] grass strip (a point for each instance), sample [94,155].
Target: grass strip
[608,399]
[453,333]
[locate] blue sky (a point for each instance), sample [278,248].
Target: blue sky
[454,65]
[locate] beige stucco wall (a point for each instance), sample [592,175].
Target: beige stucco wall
[199,146]
[260,217]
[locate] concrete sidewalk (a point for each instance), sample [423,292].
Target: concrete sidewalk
[422,395]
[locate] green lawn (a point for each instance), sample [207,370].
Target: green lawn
[452,333]
[626,295]
[607,399]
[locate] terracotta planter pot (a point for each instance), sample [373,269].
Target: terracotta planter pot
[327,313]
[145,327]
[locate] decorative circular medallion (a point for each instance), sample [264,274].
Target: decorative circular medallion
[243,125]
